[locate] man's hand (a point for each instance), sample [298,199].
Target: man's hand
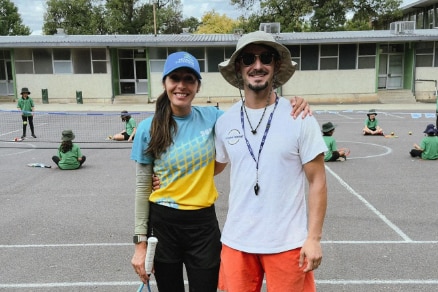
[300,105]
[311,252]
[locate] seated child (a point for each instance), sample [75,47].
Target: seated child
[372,125]
[428,148]
[128,133]
[69,154]
[333,154]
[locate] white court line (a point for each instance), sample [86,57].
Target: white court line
[385,282]
[387,150]
[370,206]
[154,283]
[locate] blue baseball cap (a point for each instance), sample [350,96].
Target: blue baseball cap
[181,60]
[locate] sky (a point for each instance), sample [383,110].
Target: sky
[32,11]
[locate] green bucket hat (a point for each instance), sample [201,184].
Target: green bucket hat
[25,90]
[67,135]
[327,127]
[287,66]
[372,112]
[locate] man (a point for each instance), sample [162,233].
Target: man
[267,232]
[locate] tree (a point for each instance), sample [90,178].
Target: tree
[378,14]
[289,13]
[75,17]
[213,22]
[10,20]
[329,15]
[192,23]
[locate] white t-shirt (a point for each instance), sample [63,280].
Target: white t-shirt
[275,220]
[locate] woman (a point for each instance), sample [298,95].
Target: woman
[69,154]
[177,145]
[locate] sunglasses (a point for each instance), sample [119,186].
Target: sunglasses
[248,58]
[184,78]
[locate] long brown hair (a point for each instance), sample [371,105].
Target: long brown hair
[66,146]
[163,127]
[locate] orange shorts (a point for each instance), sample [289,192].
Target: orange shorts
[244,272]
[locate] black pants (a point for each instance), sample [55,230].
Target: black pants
[190,238]
[56,160]
[416,153]
[27,119]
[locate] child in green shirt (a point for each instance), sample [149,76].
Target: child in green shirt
[428,148]
[332,154]
[372,125]
[69,154]
[26,105]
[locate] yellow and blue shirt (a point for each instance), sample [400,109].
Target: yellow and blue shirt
[186,169]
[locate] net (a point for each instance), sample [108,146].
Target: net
[88,127]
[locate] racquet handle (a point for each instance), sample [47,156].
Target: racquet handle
[150,253]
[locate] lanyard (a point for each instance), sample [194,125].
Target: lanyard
[268,125]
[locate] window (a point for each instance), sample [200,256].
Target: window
[295,52]
[367,56]
[43,61]
[99,61]
[347,56]
[329,57]
[81,61]
[62,63]
[215,56]
[309,57]
[23,61]
[424,54]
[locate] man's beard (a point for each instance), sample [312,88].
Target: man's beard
[258,87]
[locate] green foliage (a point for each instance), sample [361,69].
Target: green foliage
[329,15]
[75,17]
[319,15]
[213,22]
[10,20]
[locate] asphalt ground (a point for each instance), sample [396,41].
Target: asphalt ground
[72,230]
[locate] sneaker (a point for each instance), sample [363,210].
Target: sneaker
[24,136]
[109,138]
[33,135]
[342,158]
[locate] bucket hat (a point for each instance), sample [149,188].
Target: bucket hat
[372,112]
[181,60]
[430,129]
[25,90]
[327,127]
[67,135]
[287,66]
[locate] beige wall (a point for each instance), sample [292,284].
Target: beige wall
[62,88]
[337,86]
[425,90]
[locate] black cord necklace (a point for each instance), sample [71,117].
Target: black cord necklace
[256,160]
[254,131]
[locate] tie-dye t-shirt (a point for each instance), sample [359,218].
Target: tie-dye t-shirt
[186,169]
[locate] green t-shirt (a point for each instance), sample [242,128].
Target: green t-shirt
[371,124]
[69,159]
[429,144]
[331,145]
[130,125]
[26,106]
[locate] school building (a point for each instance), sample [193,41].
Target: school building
[395,65]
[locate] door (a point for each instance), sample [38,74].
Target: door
[6,84]
[141,79]
[395,72]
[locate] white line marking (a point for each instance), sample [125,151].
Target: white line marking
[388,150]
[386,282]
[154,283]
[371,207]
